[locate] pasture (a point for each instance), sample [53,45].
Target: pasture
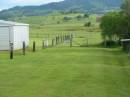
[61,71]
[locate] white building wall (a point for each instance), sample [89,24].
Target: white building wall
[4,37]
[20,34]
[12,32]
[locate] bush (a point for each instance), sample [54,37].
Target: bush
[67,18]
[86,15]
[109,43]
[79,17]
[88,24]
[58,22]
[115,23]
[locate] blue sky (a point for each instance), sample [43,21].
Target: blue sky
[5,4]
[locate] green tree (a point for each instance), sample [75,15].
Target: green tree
[126,7]
[115,24]
[88,24]
[108,25]
[86,15]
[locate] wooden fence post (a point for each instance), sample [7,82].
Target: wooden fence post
[68,37]
[61,39]
[43,44]
[34,46]
[71,40]
[56,40]
[24,49]
[53,42]
[65,37]
[11,51]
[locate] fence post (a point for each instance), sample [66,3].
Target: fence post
[47,43]
[11,51]
[56,40]
[61,38]
[52,42]
[43,44]
[24,49]
[71,40]
[68,37]
[34,46]
[65,37]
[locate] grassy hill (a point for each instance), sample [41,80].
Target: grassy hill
[52,25]
[61,71]
[90,6]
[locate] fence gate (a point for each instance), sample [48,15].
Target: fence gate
[85,39]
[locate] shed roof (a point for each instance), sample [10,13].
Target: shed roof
[125,40]
[10,23]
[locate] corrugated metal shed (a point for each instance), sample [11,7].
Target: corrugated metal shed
[13,32]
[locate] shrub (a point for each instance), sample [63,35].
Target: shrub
[109,43]
[86,15]
[79,17]
[66,18]
[88,24]
[58,22]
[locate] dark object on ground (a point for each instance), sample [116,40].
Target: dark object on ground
[109,43]
[126,45]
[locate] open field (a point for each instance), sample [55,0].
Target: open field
[48,27]
[62,71]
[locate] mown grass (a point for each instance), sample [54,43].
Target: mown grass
[62,71]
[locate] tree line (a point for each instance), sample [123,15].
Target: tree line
[116,25]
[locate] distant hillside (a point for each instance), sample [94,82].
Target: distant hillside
[92,6]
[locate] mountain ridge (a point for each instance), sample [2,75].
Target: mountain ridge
[91,6]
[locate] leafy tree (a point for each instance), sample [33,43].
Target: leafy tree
[79,17]
[86,15]
[126,7]
[88,24]
[115,24]
[67,18]
[108,25]
[126,19]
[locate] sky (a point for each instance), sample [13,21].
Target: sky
[5,4]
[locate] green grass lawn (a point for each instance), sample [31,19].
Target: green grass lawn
[62,71]
[66,72]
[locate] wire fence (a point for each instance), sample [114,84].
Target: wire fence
[42,41]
